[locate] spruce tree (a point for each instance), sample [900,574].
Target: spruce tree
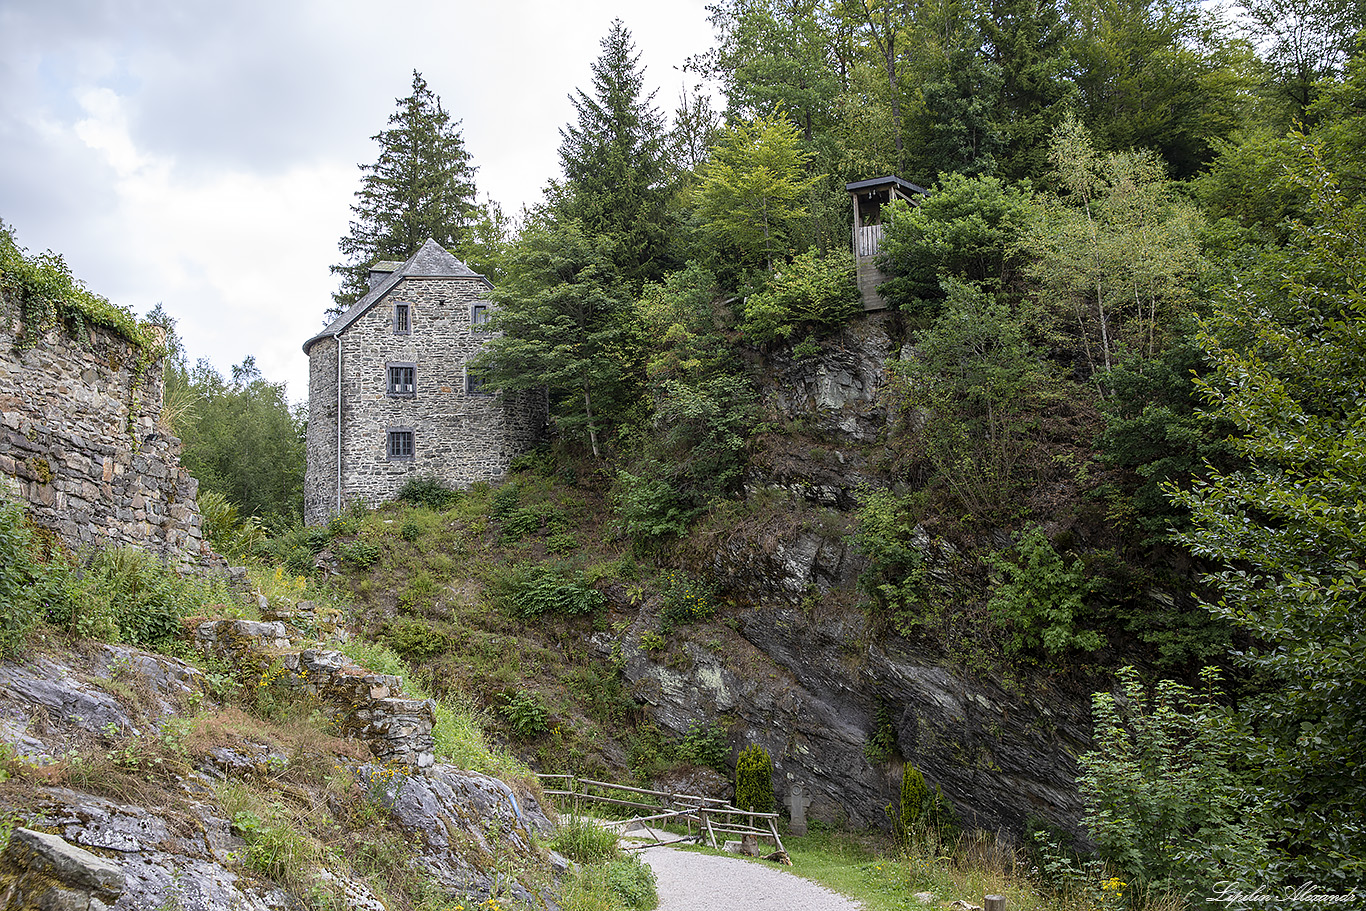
[422,186]
[616,176]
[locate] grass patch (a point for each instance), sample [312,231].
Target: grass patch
[583,840]
[624,884]
[888,878]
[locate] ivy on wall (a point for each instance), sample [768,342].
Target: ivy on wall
[49,295]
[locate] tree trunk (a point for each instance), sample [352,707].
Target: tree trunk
[592,427]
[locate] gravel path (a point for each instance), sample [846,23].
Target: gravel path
[689,881]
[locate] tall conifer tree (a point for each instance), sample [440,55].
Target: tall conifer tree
[616,173]
[422,186]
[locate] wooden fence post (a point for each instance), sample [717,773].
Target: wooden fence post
[994,903]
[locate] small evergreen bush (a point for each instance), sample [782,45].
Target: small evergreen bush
[754,780]
[923,809]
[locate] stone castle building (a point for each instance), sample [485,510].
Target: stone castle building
[391,395]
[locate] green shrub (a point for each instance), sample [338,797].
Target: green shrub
[48,294]
[686,600]
[754,780]
[882,744]
[420,591]
[410,531]
[633,882]
[227,532]
[562,543]
[530,590]
[299,560]
[519,523]
[429,492]
[26,586]
[622,884]
[504,500]
[809,292]
[1042,598]
[358,554]
[704,745]
[129,594]
[1165,800]
[650,508]
[413,640]
[525,714]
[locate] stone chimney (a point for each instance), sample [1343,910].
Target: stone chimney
[381,270]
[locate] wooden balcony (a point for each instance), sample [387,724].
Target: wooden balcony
[867,240]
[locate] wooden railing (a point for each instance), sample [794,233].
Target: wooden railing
[867,240]
[663,808]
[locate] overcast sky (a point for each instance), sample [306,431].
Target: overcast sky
[203,154]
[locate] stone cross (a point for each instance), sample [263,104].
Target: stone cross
[797,802]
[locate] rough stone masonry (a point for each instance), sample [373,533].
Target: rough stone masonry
[83,447]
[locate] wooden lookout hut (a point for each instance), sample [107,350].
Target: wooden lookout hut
[870,197]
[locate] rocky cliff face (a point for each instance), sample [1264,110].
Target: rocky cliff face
[129,785]
[814,691]
[805,673]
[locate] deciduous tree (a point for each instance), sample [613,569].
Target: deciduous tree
[1287,533]
[1118,246]
[567,324]
[241,438]
[753,190]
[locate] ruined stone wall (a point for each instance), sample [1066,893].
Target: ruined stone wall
[458,437]
[81,444]
[320,476]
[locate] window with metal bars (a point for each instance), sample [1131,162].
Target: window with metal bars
[402,379]
[400,444]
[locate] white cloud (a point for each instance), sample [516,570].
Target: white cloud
[203,154]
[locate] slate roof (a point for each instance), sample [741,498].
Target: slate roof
[431,261]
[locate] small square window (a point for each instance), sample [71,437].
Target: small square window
[402,325]
[474,384]
[479,316]
[402,379]
[400,445]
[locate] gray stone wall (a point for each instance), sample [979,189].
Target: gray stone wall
[320,477]
[81,444]
[458,437]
